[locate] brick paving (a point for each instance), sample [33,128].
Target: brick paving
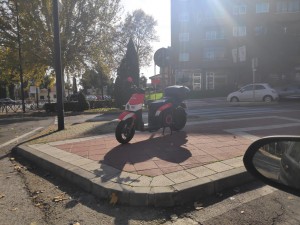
[204,158]
[153,154]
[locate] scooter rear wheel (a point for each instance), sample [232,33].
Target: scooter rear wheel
[179,118]
[125,131]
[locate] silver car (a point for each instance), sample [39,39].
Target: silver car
[254,92]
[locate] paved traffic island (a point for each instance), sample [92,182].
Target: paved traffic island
[156,170]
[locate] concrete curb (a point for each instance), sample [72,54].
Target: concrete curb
[101,186]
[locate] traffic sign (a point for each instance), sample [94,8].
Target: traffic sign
[161,57]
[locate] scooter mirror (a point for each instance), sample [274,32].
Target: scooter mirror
[276,161]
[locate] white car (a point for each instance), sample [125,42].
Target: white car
[91,97]
[254,92]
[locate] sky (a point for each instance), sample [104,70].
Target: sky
[160,10]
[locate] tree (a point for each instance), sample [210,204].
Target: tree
[129,67]
[75,89]
[87,29]
[48,83]
[143,81]
[95,78]
[140,27]
[14,34]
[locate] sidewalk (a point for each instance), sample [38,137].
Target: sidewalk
[203,159]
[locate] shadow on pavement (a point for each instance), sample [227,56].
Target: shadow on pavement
[169,148]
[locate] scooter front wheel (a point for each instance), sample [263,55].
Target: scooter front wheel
[125,131]
[179,118]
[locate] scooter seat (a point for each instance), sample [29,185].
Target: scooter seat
[160,102]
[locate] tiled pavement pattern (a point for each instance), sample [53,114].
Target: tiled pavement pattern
[153,154]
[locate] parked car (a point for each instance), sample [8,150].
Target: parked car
[7,101]
[289,92]
[91,97]
[254,92]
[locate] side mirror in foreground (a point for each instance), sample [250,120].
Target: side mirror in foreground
[276,161]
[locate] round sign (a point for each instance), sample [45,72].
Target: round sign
[161,57]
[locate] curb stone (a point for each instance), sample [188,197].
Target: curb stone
[164,196]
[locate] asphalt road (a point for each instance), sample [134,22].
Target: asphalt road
[29,195]
[16,204]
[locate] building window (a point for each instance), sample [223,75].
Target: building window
[239,31]
[184,17]
[215,34]
[287,6]
[262,7]
[239,9]
[184,57]
[184,37]
[260,30]
[213,13]
[42,97]
[213,53]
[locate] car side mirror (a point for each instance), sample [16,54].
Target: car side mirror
[275,160]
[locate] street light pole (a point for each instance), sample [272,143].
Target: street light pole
[58,70]
[20,59]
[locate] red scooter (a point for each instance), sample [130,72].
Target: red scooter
[166,112]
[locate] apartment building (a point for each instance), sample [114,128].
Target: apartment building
[228,43]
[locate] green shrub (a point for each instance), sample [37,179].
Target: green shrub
[101,104]
[83,104]
[68,107]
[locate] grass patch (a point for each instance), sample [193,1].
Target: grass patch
[103,110]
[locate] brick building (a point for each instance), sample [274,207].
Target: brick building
[216,43]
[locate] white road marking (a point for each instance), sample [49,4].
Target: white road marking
[20,137]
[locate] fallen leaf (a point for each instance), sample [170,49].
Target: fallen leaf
[198,205]
[174,217]
[14,209]
[2,196]
[33,223]
[59,198]
[18,168]
[242,212]
[231,198]
[113,199]
[12,159]
[76,223]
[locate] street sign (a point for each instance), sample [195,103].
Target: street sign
[161,57]
[254,63]
[155,81]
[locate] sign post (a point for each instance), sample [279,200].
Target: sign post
[254,66]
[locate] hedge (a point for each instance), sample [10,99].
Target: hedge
[77,107]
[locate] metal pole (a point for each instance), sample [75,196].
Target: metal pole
[58,70]
[20,59]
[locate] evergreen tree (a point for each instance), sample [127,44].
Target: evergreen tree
[129,67]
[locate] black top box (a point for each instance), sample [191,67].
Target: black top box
[177,91]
